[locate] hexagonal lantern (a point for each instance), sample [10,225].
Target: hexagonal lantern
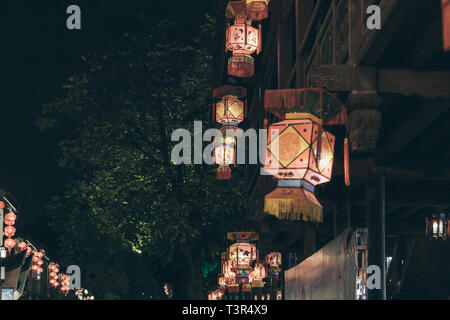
[300,152]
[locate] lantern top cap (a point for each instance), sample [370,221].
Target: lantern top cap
[236,10]
[225,90]
[249,236]
[316,101]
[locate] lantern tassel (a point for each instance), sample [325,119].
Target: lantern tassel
[346,162]
[293,204]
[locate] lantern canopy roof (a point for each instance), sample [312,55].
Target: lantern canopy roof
[248,236]
[316,101]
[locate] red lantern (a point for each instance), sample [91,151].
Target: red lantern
[2,205]
[10,219]
[299,152]
[39,262]
[40,270]
[229,110]
[242,39]
[34,267]
[52,281]
[22,245]
[9,231]
[257,9]
[9,244]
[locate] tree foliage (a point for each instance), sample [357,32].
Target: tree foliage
[128,216]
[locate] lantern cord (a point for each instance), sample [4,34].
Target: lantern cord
[346,162]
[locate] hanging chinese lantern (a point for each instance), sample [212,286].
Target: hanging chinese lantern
[9,231]
[9,244]
[229,110]
[22,246]
[257,9]
[257,275]
[243,254]
[273,262]
[242,39]
[34,267]
[10,219]
[437,227]
[300,152]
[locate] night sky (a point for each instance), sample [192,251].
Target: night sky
[38,54]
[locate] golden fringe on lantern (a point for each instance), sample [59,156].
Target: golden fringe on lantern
[293,204]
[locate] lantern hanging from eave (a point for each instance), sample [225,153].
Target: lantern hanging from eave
[300,152]
[437,227]
[257,9]
[242,39]
[229,110]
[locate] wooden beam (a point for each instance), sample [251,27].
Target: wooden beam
[424,116]
[427,84]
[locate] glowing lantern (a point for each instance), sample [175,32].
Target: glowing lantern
[242,254]
[257,275]
[39,262]
[22,246]
[273,262]
[299,152]
[242,39]
[40,270]
[229,109]
[52,281]
[257,9]
[29,251]
[9,231]
[10,219]
[9,244]
[2,205]
[437,227]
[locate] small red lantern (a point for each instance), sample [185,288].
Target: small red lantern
[9,244]
[52,281]
[39,262]
[9,231]
[10,219]
[2,205]
[22,245]
[34,267]
[40,270]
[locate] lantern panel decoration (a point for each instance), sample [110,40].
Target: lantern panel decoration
[242,39]
[437,227]
[229,110]
[300,153]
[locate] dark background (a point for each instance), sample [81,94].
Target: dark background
[38,54]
